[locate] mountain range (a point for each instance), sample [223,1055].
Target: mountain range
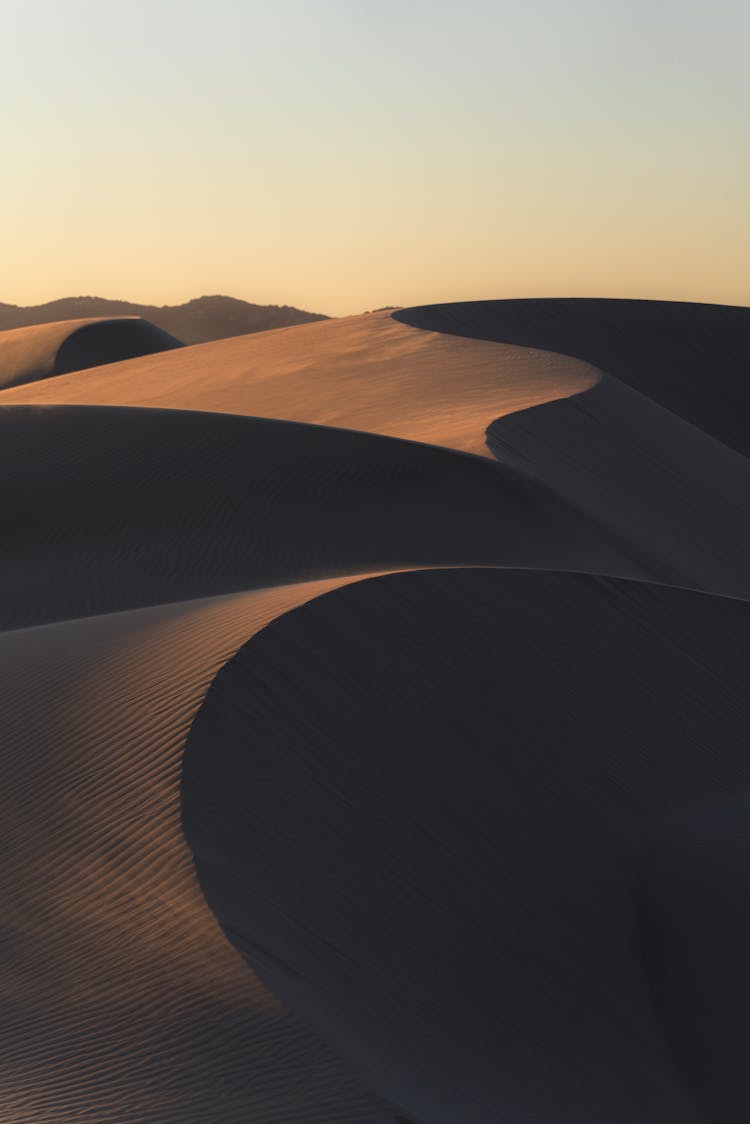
[196,321]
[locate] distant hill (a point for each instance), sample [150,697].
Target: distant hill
[197,321]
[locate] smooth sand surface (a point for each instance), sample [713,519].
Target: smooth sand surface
[693,359]
[645,476]
[48,350]
[362,372]
[467,773]
[107,509]
[460,918]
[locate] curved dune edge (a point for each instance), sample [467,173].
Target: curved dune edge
[113,508]
[691,359]
[434,854]
[642,475]
[107,509]
[123,1001]
[44,351]
[367,373]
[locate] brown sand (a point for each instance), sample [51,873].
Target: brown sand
[46,350]
[693,359]
[363,372]
[122,1001]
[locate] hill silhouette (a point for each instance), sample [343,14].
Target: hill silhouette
[196,321]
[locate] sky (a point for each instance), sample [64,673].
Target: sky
[342,155]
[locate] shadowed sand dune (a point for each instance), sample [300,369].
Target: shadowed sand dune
[122,1001]
[693,359]
[363,372]
[47,350]
[695,915]
[643,475]
[435,853]
[107,509]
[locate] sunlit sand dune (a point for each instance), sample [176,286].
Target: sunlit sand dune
[45,350]
[363,372]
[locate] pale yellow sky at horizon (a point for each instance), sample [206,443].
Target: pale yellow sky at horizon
[340,156]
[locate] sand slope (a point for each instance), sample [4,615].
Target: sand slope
[122,1001]
[46,350]
[693,359]
[643,474]
[435,852]
[362,372]
[107,509]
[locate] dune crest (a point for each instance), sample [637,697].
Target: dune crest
[690,358]
[644,475]
[44,351]
[362,372]
[141,506]
[122,1000]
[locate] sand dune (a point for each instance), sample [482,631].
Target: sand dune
[695,917]
[460,919]
[645,476]
[690,358]
[46,350]
[122,1001]
[450,816]
[108,509]
[362,372]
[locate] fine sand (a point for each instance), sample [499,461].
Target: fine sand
[692,359]
[460,919]
[449,816]
[363,372]
[122,1002]
[108,509]
[46,350]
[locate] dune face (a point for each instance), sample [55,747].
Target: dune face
[460,917]
[460,832]
[142,506]
[645,476]
[47,350]
[696,922]
[122,1002]
[690,358]
[364,372]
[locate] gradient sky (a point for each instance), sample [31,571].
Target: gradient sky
[339,155]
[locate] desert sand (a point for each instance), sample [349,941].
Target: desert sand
[45,350]
[459,918]
[690,358]
[369,691]
[361,372]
